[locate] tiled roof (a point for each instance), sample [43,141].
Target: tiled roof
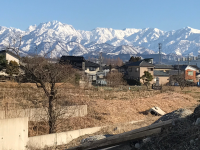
[73,58]
[91,64]
[77,61]
[162,66]
[160,73]
[140,63]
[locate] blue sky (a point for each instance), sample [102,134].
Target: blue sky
[89,14]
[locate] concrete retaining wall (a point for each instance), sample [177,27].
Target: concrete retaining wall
[13,134]
[38,114]
[55,139]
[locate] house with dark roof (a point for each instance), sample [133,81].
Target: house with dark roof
[79,62]
[163,76]
[162,72]
[9,56]
[135,70]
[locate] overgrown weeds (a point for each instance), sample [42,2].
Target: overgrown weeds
[102,103]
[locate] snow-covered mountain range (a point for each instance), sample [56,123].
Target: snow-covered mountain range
[56,39]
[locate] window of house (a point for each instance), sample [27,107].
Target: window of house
[190,80]
[167,71]
[130,69]
[150,69]
[92,68]
[137,69]
[190,73]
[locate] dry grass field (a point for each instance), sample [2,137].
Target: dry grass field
[106,106]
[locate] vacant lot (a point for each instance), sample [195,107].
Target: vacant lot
[106,106]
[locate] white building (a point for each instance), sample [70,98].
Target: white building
[10,56]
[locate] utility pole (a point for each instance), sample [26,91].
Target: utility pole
[178,67]
[100,62]
[160,57]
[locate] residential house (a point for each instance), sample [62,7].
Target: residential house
[189,71]
[162,76]
[122,69]
[162,73]
[79,62]
[9,56]
[100,78]
[135,70]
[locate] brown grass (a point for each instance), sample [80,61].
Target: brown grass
[105,106]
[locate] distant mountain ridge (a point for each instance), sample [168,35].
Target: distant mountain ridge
[59,39]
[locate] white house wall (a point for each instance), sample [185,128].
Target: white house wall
[91,72]
[10,57]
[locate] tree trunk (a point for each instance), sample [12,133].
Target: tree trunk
[52,118]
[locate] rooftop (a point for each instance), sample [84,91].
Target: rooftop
[9,52]
[162,66]
[73,58]
[140,63]
[160,73]
[91,64]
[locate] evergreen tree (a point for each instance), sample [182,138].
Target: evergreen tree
[12,68]
[134,59]
[3,62]
[147,77]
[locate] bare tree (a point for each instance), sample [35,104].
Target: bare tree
[46,75]
[180,79]
[115,78]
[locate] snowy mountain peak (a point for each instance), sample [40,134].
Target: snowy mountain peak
[31,28]
[192,30]
[65,39]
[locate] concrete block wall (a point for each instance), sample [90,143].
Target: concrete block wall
[13,134]
[38,114]
[56,139]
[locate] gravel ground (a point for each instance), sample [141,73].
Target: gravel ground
[179,113]
[94,138]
